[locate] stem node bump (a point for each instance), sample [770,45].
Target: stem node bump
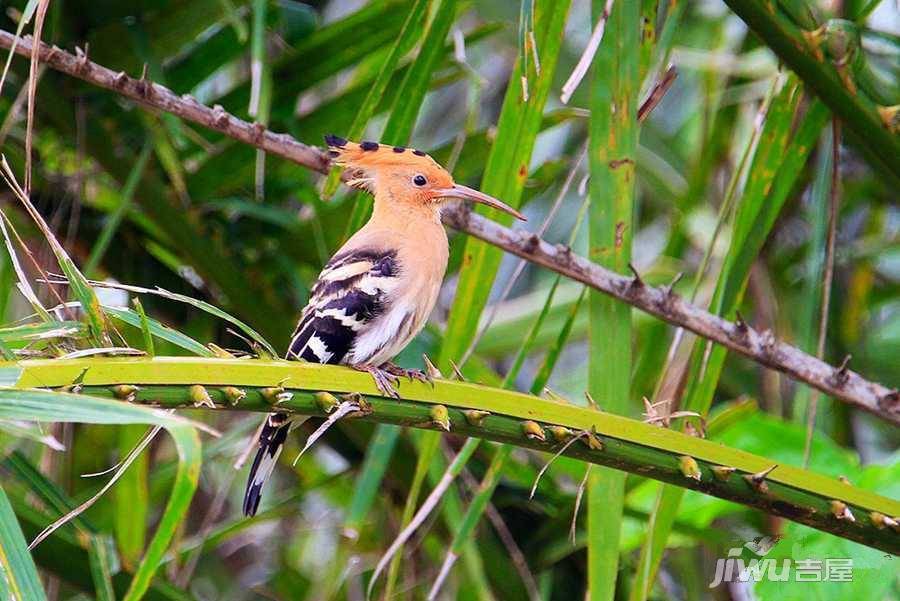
[440,417]
[840,510]
[722,472]
[200,397]
[233,395]
[533,430]
[882,521]
[125,392]
[475,416]
[275,395]
[560,433]
[326,401]
[689,467]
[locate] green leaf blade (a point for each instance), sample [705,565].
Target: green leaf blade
[19,579]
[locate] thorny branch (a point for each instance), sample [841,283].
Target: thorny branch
[762,347]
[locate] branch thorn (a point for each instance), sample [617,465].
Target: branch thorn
[457,372]
[841,374]
[890,402]
[84,64]
[145,86]
[431,369]
[740,324]
[670,289]
[258,130]
[637,282]
[220,116]
[758,480]
[565,251]
[768,342]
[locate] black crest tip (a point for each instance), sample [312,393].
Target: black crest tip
[399,149]
[337,141]
[418,153]
[369,145]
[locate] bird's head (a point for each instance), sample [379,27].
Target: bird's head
[404,176]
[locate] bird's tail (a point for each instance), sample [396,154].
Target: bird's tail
[271,441]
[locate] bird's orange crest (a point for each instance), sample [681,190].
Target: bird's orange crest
[371,165]
[372,155]
[402,174]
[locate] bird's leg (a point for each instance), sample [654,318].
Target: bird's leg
[384,380]
[412,374]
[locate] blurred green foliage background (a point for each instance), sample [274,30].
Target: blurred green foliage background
[724,193]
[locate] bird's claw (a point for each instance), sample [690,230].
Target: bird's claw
[411,374]
[384,380]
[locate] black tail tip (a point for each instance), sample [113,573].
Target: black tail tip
[336,141]
[251,500]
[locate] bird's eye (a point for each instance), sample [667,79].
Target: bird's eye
[420,180]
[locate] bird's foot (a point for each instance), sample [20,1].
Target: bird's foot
[384,380]
[412,374]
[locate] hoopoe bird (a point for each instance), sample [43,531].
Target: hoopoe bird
[377,291]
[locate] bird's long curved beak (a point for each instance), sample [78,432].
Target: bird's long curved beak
[467,193]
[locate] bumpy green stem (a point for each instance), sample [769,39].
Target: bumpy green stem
[606,439]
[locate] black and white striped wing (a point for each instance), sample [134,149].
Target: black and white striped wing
[351,292]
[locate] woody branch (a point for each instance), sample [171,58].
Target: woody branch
[762,347]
